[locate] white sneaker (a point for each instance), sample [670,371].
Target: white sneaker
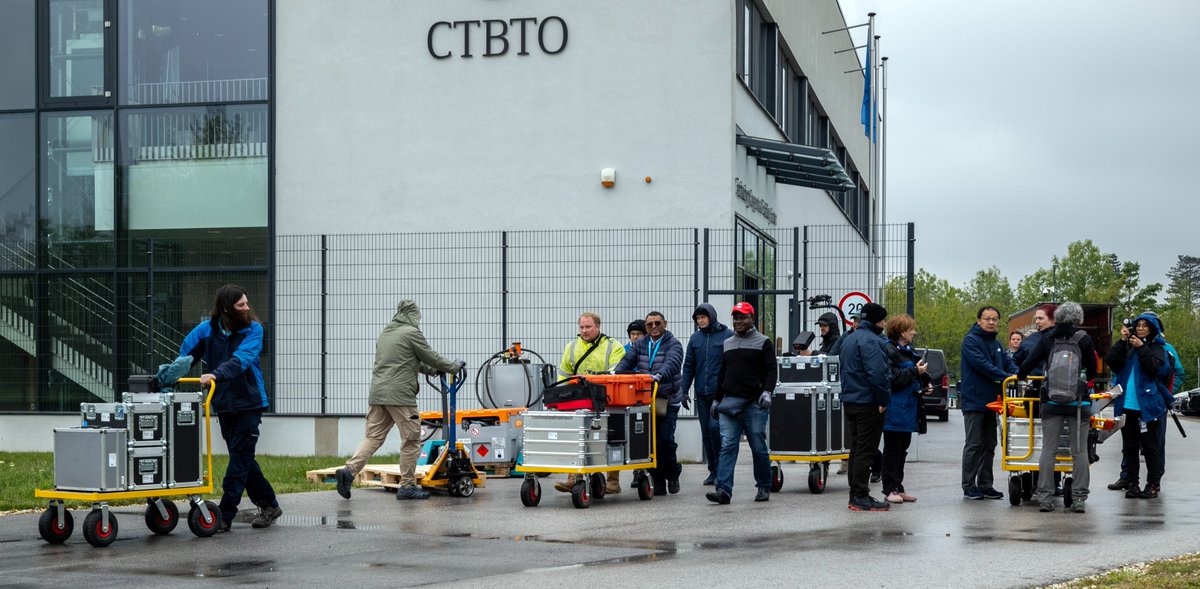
[894,497]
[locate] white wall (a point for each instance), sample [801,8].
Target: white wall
[372,126]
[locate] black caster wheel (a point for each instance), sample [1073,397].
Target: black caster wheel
[816,479]
[203,528]
[464,487]
[598,485]
[48,525]
[1027,486]
[531,492]
[93,529]
[1014,491]
[581,497]
[645,488]
[776,477]
[1068,500]
[155,520]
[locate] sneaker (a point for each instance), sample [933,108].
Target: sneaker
[414,492]
[344,481]
[1120,485]
[763,495]
[1046,507]
[267,514]
[867,503]
[972,494]
[1149,492]
[710,481]
[894,497]
[907,498]
[1077,506]
[673,487]
[991,493]
[718,496]
[876,477]
[660,487]
[1132,491]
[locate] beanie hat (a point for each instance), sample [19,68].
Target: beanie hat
[874,312]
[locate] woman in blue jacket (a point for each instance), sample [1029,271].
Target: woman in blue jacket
[908,382]
[1139,363]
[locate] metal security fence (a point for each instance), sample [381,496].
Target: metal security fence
[837,261]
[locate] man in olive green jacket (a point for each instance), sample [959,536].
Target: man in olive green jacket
[400,353]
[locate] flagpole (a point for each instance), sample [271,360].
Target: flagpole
[878,228]
[883,141]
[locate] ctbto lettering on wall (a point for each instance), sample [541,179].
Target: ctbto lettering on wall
[494,37]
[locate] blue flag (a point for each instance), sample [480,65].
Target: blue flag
[867,123]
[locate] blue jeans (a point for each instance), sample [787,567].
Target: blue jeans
[753,421]
[240,431]
[668,468]
[710,432]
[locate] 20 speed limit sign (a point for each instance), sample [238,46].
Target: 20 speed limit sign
[852,304]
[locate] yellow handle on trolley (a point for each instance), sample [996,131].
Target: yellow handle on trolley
[1019,403]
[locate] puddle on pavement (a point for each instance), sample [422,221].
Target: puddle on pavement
[223,570]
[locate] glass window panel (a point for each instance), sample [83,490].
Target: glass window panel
[195,182]
[77,189]
[80,317]
[76,40]
[195,51]
[18,192]
[18,344]
[17,55]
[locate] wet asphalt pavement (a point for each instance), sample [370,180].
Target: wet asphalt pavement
[797,539]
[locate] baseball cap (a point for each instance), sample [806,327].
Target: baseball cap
[743,308]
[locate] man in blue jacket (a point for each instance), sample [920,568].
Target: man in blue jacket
[701,365]
[984,367]
[660,355]
[866,392]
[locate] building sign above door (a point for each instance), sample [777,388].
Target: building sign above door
[494,37]
[755,204]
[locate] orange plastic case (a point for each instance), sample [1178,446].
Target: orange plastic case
[625,390]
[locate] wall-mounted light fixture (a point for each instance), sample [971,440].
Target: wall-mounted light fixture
[608,177]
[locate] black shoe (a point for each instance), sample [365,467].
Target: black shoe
[660,487]
[710,481]
[991,493]
[1150,492]
[1132,491]
[267,515]
[763,495]
[673,487]
[412,492]
[876,477]
[718,496]
[1120,485]
[344,481]
[972,494]
[867,503]
[226,524]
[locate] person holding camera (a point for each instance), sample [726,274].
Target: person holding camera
[909,382]
[1139,363]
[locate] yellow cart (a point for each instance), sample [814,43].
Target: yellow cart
[100,526]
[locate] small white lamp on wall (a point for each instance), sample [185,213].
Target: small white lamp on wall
[608,177]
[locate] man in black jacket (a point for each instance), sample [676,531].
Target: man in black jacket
[866,392]
[745,384]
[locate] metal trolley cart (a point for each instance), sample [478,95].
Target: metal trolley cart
[807,423]
[588,443]
[1021,438]
[145,447]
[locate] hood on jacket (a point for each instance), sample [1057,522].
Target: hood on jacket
[978,331]
[832,321]
[711,312]
[1155,326]
[407,313]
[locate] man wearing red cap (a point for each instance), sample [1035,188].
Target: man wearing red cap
[742,403]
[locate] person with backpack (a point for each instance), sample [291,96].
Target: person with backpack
[1063,354]
[1140,365]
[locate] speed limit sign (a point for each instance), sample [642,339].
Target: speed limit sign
[852,304]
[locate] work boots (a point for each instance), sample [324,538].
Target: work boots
[565,487]
[267,514]
[614,483]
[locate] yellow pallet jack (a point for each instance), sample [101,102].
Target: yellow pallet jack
[444,465]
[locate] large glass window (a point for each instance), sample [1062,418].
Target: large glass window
[18,344]
[194,51]
[754,269]
[18,192]
[195,181]
[77,40]
[17,80]
[80,317]
[77,189]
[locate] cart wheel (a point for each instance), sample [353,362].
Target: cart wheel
[531,492]
[1067,498]
[466,486]
[598,482]
[645,488]
[1027,486]
[581,497]
[776,477]
[816,479]
[1014,490]
[203,528]
[155,521]
[48,525]
[93,529]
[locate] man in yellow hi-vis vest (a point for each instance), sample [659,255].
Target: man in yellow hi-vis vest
[591,352]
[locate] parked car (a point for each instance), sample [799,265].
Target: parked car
[1188,402]
[938,402]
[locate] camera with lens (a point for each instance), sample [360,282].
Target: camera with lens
[1128,323]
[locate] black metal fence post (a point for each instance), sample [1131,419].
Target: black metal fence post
[706,245]
[912,262]
[696,267]
[804,277]
[324,321]
[503,289]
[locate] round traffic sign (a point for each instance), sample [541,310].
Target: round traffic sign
[852,304]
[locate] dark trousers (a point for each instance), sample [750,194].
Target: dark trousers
[864,425]
[668,468]
[710,432]
[240,431]
[895,451]
[1134,440]
[979,449]
[1162,451]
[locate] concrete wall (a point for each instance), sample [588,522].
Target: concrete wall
[373,126]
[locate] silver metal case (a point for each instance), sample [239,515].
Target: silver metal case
[103,415]
[565,439]
[90,459]
[809,369]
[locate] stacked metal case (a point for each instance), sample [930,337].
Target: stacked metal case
[565,438]
[806,410]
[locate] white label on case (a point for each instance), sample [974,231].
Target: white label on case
[790,396]
[185,407]
[147,479]
[147,435]
[551,435]
[105,417]
[112,459]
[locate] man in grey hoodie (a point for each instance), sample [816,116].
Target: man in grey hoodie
[701,366]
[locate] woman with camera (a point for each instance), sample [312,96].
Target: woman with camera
[1139,363]
[908,382]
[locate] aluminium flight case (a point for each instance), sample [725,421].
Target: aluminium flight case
[629,435]
[809,369]
[180,416]
[807,419]
[90,459]
[565,439]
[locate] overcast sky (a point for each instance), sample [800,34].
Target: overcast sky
[1020,126]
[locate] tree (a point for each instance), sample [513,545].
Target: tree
[990,287]
[1087,275]
[1184,290]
